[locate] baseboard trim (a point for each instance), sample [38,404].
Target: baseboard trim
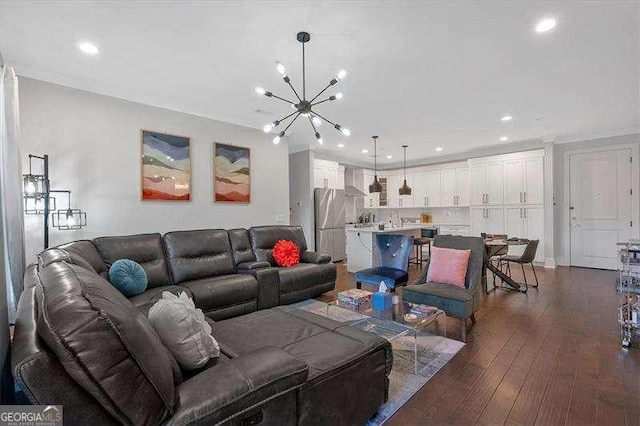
[550,263]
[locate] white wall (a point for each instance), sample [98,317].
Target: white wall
[301,194]
[561,230]
[94,146]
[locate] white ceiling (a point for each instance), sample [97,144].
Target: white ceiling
[428,74]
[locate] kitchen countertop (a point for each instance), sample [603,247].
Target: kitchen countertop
[406,227]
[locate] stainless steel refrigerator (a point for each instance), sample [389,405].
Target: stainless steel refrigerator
[329,214]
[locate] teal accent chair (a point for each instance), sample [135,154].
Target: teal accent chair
[461,303]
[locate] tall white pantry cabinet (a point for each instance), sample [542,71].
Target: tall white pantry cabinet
[507,196]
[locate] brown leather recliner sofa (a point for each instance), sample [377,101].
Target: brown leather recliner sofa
[80,343]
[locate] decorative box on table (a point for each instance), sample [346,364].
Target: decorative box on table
[355,297]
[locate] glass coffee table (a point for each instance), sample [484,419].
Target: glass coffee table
[409,333]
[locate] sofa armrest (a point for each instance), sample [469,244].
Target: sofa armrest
[314,257]
[245,266]
[268,285]
[226,390]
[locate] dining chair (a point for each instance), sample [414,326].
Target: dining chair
[391,259]
[526,258]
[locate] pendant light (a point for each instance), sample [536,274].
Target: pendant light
[405,189]
[376,186]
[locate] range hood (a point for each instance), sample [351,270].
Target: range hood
[352,191]
[351,175]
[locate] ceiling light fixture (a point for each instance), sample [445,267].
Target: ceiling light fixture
[506,118]
[405,189]
[389,157]
[303,107]
[340,145]
[375,186]
[88,48]
[438,149]
[504,139]
[545,25]
[364,151]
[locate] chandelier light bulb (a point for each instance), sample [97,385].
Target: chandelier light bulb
[319,139]
[339,95]
[316,121]
[304,114]
[70,219]
[281,69]
[267,128]
[276,140]
[294,106]
[260,91]
[345,131]
[341,74]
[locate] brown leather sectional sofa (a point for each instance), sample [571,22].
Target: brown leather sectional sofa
[81,343]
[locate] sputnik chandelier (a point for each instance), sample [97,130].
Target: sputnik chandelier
[303,107]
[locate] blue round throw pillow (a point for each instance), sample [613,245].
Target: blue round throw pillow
[128,277]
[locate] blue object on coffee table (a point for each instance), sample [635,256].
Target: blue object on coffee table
[382,301]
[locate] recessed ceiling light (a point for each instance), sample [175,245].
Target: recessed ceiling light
[88,48]
[340,145]
[364,151]
[545,25]
[438,149]
[504,139]
[506,118]
[389,157]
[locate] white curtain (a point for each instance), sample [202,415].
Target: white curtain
[12,242]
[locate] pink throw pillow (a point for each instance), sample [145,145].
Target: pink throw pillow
[448,266]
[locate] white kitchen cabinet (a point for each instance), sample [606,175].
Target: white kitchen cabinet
[533,181]
[524,181]
[371,200]
[453,230]
[433,187]
[394,182]
[455,187]
[487,184]
[328,174]
[488,219]
[340,178]
[526,222]
[419,189]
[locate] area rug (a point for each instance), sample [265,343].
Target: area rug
[433,354]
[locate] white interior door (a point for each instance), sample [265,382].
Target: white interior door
[600,206]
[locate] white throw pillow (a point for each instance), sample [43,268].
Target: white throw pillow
[184,330]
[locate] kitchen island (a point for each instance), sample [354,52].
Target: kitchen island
[361,241]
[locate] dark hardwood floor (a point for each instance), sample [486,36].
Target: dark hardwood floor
[551,356]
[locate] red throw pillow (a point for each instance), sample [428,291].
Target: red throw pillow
[286,253]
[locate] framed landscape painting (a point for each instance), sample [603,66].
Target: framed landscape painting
[166,167]
[231,174]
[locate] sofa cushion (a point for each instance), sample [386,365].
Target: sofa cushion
[456,301]
[305,275]
[263,238]
[146,249]
[146,300]
[241,246]
[106,345]
[225,295]
[198,254]
[86,250]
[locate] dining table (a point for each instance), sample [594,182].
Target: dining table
[495,247]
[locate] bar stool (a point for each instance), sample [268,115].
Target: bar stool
[418,243]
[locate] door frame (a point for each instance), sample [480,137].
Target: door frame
[635,186]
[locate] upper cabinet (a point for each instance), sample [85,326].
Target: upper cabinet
[487,179]
[394,182]
[455,187]
[524,179]
[327,174]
